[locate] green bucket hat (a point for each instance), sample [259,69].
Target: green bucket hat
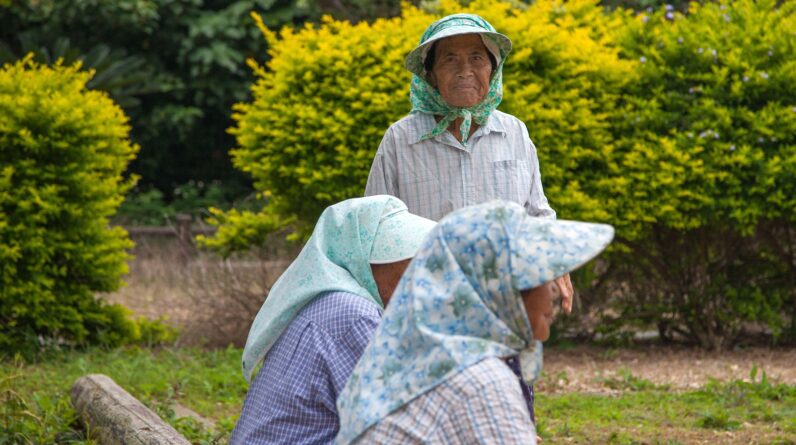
[452,25]
[427,99]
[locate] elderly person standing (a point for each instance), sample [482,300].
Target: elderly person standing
[455,148]
[320,315]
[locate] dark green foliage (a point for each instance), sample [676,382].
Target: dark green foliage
[175,66]
[150,206]
[62,153]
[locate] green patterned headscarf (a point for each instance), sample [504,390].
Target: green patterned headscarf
[427,99]
[348,237]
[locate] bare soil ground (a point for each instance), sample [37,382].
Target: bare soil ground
[587,368]
[210,299]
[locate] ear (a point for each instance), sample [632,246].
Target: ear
[432,79]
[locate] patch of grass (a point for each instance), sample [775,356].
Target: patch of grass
[755,411]
[717,421]
[626,381]
[35,396]
[35,406]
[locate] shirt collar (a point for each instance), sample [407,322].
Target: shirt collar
[427,123]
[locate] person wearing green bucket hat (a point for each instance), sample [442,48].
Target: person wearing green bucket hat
[455,148]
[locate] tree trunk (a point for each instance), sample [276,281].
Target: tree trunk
[113,416]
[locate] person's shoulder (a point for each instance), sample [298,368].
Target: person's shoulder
[411,124]
[336,312]
[409,120]
[509,122]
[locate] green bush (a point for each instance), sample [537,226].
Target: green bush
[63,150]
[703,178]
[677,128]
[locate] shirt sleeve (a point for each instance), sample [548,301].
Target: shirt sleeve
[347,351]
[293,398]
[382,179]
[537,204]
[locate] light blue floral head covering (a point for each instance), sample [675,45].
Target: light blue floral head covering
[459,302]
[427,99]
[348,237]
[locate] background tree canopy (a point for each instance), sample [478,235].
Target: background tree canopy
[175,66]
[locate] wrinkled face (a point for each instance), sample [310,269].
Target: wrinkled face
[461,70]
[387,277]
[540,303]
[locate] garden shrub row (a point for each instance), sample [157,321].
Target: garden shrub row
[676,127]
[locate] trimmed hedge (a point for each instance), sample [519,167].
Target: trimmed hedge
[705,169]
[63,150]
[676,128]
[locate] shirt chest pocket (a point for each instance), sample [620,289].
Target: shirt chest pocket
[511,180]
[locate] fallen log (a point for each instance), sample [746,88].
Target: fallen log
[113,416]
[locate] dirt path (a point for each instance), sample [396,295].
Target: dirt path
[592,369]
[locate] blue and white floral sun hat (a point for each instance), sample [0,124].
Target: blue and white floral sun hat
[459,302]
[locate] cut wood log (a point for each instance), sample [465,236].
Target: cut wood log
[113,416]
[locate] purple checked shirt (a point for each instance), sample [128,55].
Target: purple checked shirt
[292,399]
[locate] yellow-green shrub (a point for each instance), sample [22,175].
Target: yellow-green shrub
[329,92]
[564,79]
[62,153]
[703,177]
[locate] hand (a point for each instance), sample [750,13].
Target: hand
[567,292]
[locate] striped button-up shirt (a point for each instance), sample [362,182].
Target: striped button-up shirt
[482,404]
[439,175]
